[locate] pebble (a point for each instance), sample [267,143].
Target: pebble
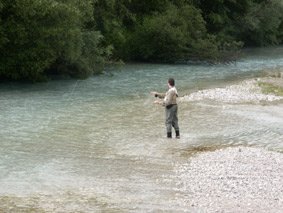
[246,181]
[246,92]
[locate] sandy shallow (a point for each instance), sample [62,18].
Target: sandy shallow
[238,179]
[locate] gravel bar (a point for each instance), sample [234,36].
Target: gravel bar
[247,91]
[235,179]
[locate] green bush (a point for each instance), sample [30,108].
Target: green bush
[254,22]
[167,36]
[39,35]
[178,34]
[262,24]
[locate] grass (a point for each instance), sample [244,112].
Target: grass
[271,89]
[272,72]
[268,87]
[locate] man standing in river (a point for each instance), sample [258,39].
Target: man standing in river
[171,108]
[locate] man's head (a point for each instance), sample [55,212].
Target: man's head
[171,82]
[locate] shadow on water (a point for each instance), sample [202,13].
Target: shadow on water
[196,150]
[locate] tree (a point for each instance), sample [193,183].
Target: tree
[176,34]
[255,22]
[168,36]
[263,23]
[46,35]
[113,18]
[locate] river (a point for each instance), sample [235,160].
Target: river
[99,145]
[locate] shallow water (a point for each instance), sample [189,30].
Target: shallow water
[99,144]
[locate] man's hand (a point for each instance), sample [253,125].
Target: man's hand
[153,93]
[156,102]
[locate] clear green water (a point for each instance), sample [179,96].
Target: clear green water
[99,144]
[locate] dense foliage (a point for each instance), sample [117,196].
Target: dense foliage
[78,38]
[48,36]
[255,22]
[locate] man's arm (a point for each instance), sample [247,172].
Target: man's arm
[159,95]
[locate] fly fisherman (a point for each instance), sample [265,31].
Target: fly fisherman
[171,108]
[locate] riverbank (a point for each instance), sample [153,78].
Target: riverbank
[238,179]
[235,179]
[249,91]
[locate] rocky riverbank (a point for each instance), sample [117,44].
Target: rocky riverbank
[235,179]
[238,179]
[248,91]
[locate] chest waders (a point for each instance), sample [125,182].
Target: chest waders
[171,120]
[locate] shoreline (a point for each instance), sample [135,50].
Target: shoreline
[234,179]
[238,179]
[245,92]
[255,91]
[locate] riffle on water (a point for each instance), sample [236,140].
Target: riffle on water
[99,144]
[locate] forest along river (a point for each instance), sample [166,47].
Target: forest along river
[99,144]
